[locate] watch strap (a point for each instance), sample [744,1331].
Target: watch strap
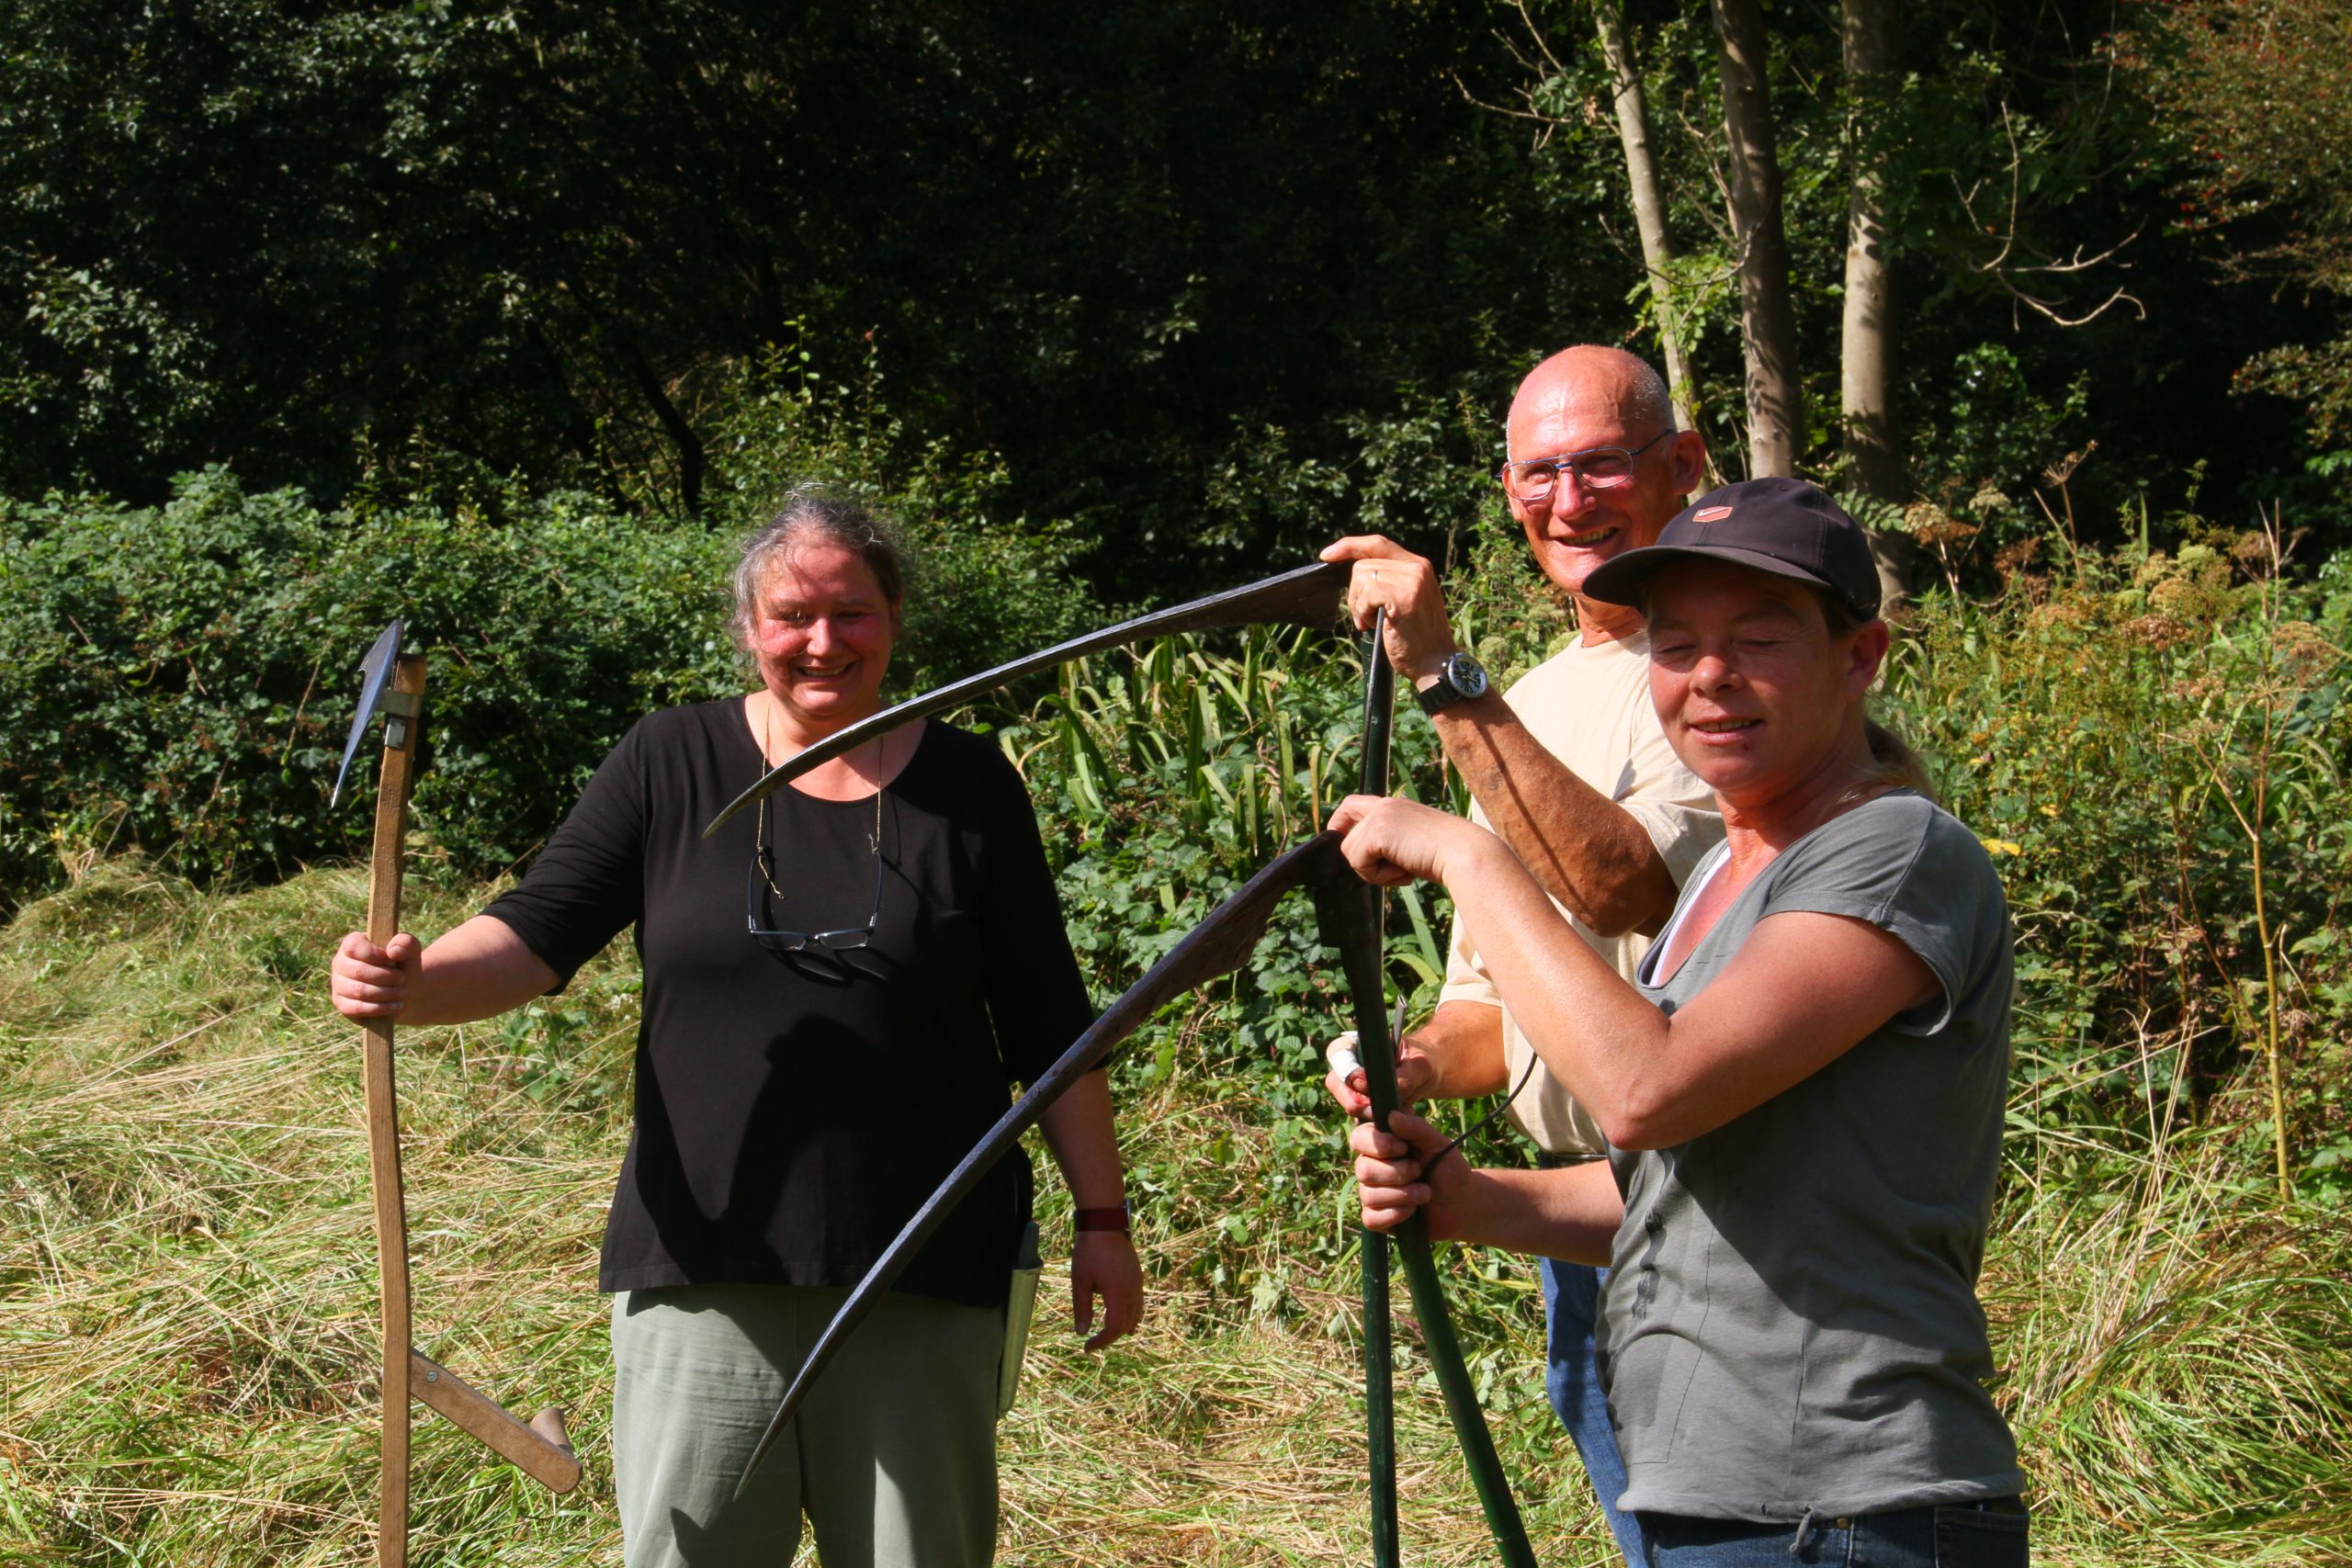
[1112,1219]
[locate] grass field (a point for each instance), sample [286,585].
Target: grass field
[187,1288]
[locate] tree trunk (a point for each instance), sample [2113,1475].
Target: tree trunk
[1767,323]
[1649,197]
[692,461]
[1867,345]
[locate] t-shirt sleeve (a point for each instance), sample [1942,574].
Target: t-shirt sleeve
[588,884]
[1037,1001]
[1915,872]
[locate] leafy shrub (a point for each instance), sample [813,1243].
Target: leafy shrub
[180,680]
[2154,750]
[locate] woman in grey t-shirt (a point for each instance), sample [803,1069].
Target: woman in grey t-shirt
[1803,1094]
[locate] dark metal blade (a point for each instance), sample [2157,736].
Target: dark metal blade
[373,675]
[1218,945]
[1307,596]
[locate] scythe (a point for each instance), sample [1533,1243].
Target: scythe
[1348,912]
[392,685]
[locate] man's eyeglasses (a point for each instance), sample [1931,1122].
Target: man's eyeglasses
[1595,468]
[798,946]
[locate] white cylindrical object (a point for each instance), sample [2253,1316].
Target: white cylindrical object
[1341,1054]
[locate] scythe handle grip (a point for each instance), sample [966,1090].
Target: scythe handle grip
[540,1448]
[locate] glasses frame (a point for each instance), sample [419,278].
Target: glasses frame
[1573,463]
[789,943]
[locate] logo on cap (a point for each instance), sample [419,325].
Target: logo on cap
[1711,514]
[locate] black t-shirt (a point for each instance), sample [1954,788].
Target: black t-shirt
[791,1117]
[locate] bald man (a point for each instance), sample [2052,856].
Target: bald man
[1571,768]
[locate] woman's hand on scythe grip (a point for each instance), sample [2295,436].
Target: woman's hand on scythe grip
[1391,841]
[367,981]
[1398,1173]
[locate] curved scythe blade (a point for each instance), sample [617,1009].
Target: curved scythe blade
[1308,595]
[1218,945]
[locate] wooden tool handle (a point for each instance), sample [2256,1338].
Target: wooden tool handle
[400,734]
[541,1450]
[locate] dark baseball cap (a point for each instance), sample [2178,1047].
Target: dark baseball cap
[1787,527]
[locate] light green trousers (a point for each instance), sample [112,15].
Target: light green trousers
[892,1457]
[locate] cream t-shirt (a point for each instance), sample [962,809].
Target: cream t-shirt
[1590,706]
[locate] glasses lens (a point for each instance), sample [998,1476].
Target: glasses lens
[1607,467]
[1530,481]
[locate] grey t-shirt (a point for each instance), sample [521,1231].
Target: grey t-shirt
[1791,1320]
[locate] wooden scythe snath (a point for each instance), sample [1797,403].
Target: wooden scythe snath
[1348,915]
[393,684]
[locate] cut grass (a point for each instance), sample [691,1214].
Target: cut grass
[187,1356]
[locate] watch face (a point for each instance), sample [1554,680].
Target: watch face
[1466,675]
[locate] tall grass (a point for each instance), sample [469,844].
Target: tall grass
[186,1285]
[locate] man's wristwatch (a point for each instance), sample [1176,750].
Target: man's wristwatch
[1114,1219]
[1459,678]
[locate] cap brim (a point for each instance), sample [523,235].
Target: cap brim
[1620,581]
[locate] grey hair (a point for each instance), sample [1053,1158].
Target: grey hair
[810,513]
[1647,401]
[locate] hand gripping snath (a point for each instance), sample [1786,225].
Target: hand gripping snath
[392,686]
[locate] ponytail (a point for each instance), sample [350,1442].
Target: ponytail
[1898,766]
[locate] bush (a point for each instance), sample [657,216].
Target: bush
[2153,749]
[180,680]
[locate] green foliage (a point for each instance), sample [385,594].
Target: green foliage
[980,587]
[1991,430]
[180,680]
[2124,741]
[2257,101]
[1211,283]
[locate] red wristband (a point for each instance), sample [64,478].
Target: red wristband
[1103,1219]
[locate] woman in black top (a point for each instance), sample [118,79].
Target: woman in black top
[838,988]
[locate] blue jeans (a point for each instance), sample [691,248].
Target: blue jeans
[1967,1535]
[1571,1305]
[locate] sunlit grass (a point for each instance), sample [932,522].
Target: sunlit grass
[187,1288]
[187,1293]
